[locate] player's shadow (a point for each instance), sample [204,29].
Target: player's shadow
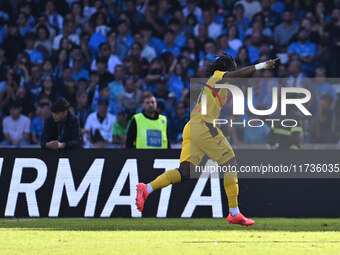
[169,224]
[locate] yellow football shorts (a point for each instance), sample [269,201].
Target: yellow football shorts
[203,138]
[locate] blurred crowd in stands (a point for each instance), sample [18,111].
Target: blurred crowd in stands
[104,56]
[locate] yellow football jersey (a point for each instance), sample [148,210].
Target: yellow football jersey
[213,106]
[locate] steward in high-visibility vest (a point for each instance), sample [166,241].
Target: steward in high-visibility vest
[148,129]
[286,138]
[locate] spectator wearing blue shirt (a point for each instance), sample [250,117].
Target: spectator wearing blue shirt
[35,55]
[47,69]
[195,53]
[26,7]
[162,91]
[295,77]
[154,18]
[278,6]
[256,135]
[238,18]
[157,44]
[155,73]
[178,80]
[214,29]
[180,39]
[210,50]
[184,28]
[163,11]
[305,51]
[150,40]
[54,18]
[69,27]
[34,86]
[124,35]
[271,18]
[22,24]
[3,34]
[78,70]
[119,49]
[169,44]
[4,13]
[106,54]
[223,45]
[104,92]
[147,52]
[192,8]
[177,124]
[322,87]
[265,95]
[254,47]
[37,124]
[232,37]
[96,38]
[82,109]
[100,22]
[116,86]
[258,25]
[284,32]
[136,17]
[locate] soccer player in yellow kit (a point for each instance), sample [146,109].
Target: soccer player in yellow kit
[201,137]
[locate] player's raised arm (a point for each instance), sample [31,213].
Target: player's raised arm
[248,70]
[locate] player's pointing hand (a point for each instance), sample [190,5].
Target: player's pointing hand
[271,63]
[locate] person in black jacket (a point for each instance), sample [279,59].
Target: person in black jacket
[62,129]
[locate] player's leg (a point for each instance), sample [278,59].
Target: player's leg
[179,174]
[232,190]
[169,177]
[215,145]
[162,181]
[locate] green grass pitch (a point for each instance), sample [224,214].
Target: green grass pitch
[168,236]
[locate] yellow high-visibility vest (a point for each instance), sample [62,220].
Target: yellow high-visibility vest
[151,134]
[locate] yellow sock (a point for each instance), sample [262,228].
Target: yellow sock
[169,177]
[231,188]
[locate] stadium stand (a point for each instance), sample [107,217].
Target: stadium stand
[85,50]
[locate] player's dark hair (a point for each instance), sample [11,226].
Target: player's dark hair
[223,63]
[60,105]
